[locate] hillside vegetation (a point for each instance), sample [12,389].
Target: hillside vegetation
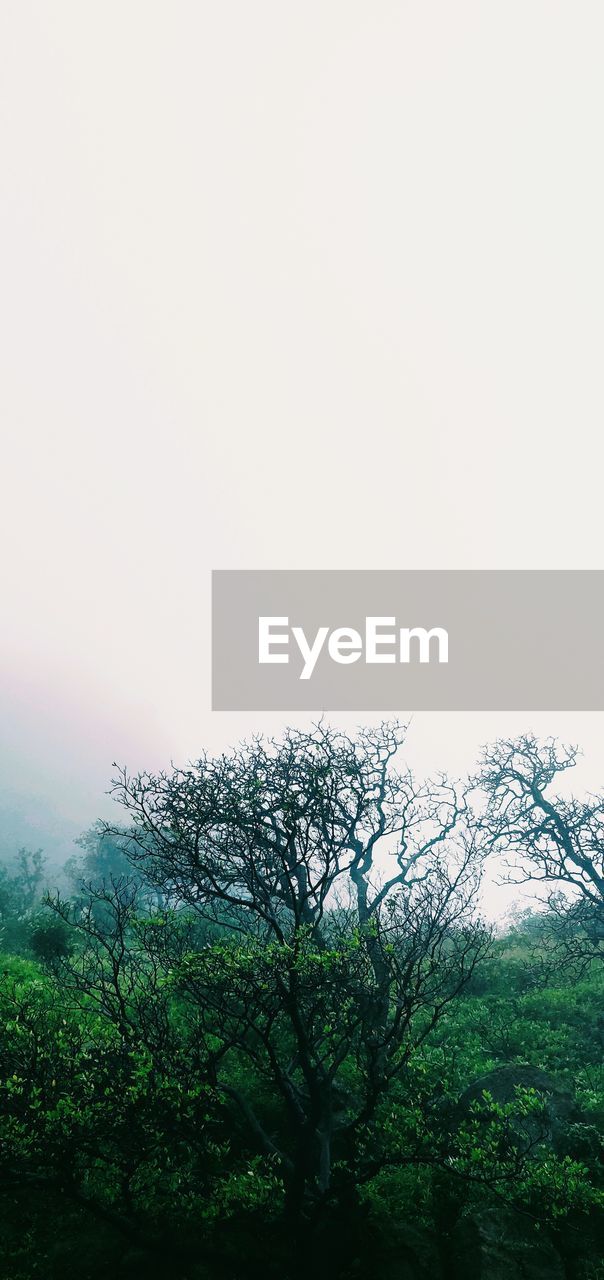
[265,1032]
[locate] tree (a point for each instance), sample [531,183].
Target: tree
[96,1139]
[338,898]
[100,861]
[267,1048]
[20,891]
[554,840]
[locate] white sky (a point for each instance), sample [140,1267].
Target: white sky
[315,285]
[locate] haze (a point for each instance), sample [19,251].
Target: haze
[283,286]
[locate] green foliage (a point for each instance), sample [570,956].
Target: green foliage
[236,1051]
[99,1131]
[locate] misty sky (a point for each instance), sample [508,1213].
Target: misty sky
[283,286]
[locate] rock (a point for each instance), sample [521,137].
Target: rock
[498,1244]
[501,1084]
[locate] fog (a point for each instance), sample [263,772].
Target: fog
[284,287]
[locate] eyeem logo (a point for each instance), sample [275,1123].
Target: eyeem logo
[314,640]
[381,642]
